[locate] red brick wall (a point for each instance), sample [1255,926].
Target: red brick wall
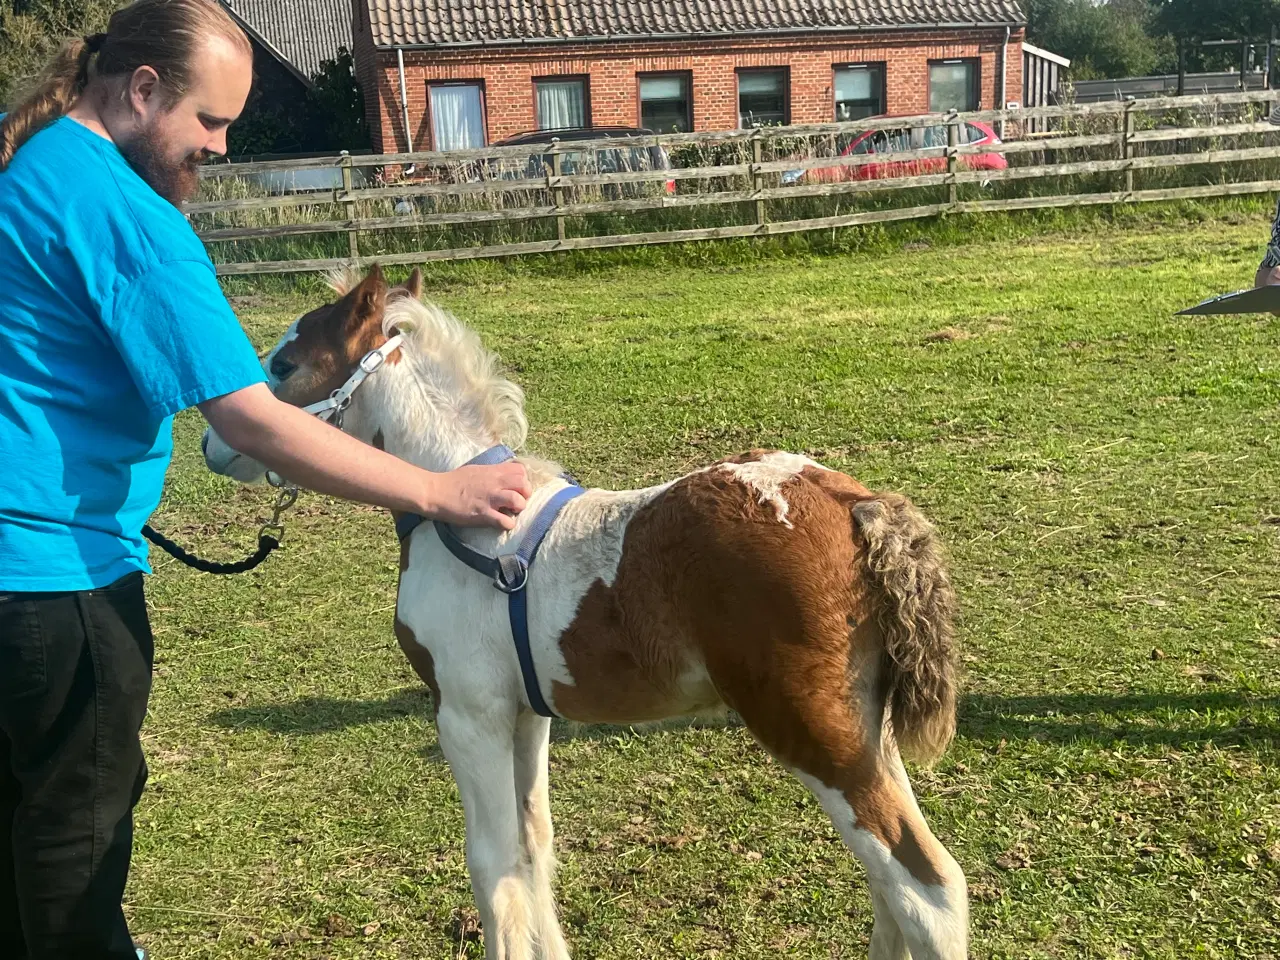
[507,75]
[372,80]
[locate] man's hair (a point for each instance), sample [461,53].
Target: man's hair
[162,34]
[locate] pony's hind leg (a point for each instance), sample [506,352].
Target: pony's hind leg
[918,890]
[478,742]
[836,745]
[532,735]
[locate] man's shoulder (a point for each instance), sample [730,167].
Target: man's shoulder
[85,175]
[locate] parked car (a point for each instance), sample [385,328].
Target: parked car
[900,140]
[620,159]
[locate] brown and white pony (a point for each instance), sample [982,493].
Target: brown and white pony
[817,609]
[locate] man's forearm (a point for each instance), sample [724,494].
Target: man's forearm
[314,455]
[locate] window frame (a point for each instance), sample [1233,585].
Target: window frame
[877,69]
[583,78]
[484,109]
[685,76]
[783,70]
[975,84]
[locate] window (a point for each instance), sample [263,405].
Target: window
[762,98]
[561,103]
[665,103]
[882,141]
[953,85]
[936,136]
[859,91]
[457,116]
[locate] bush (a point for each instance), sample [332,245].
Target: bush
[32,30]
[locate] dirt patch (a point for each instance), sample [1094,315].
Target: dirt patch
[948,335]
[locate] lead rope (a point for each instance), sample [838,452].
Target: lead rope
[269,537]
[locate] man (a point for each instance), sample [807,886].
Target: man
[1269,269]
[111,321]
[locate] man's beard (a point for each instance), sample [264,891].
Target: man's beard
[176,182]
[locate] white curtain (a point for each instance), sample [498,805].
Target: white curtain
[561,105]
[457,119]
[661,88]
[853,85]
[951,87]
[760,82]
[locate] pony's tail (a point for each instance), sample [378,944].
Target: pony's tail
[916,612]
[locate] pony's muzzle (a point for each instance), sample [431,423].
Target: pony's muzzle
[221,459]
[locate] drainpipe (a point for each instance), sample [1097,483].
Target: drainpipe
[404,103]
[1004,76]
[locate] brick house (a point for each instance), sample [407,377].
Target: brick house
[454,74]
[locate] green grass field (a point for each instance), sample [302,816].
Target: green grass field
[1107,478]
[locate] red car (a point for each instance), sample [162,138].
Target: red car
[900,140]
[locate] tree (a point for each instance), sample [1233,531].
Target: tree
[32,31]
[1116,39]
[336,105]
[1217,20]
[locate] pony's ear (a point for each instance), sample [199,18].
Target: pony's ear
[368,299]
[411,287]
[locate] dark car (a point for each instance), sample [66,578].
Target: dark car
[590,160]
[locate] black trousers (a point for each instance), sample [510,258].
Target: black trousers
[75,674]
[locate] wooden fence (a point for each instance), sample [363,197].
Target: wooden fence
[1123,132]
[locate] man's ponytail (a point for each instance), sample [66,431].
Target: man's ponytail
[62,82]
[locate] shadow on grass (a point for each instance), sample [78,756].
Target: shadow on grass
[312,715]
[1168,719]
[1140,718]
[315,715]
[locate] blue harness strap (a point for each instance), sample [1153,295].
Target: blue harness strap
[406,523]
[517,598]
[509,572]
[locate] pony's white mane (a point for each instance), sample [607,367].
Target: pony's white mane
[476,372]
[342,280]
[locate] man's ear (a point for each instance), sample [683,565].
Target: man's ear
[144,89]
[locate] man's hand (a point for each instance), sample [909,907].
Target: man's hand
[1267,276]
[475,496]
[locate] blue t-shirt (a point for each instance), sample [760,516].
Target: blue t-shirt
[111,321]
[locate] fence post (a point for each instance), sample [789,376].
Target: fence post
[757,178]
[557,193]
[349,205]
[1126,145]
[953,160]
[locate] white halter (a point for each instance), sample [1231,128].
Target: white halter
[331,409]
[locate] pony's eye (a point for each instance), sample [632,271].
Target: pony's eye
[281,368]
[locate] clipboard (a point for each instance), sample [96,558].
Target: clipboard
[1255,300]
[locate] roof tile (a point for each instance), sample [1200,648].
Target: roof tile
[447,23]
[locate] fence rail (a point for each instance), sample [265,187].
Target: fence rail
[731,168]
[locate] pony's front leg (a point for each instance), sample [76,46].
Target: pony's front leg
[532,735]
[478,741]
